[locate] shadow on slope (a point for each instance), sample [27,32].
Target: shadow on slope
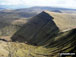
[65,42]
[39,29]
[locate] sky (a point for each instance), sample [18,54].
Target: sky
[31,3]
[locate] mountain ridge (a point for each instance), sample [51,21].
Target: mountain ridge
[46,22]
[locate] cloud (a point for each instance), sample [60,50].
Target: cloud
[56,3]
[10,2]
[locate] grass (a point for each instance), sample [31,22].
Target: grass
[23,50]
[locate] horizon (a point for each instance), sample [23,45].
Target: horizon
[17,4]
[18,7]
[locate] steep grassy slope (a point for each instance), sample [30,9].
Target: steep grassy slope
[38,28]
[44,26]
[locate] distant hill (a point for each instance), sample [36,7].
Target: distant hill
[2,8]
[30,12]
[54,9]
[9,14]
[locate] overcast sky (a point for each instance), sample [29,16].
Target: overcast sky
[30,3]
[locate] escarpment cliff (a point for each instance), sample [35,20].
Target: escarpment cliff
[46,27]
